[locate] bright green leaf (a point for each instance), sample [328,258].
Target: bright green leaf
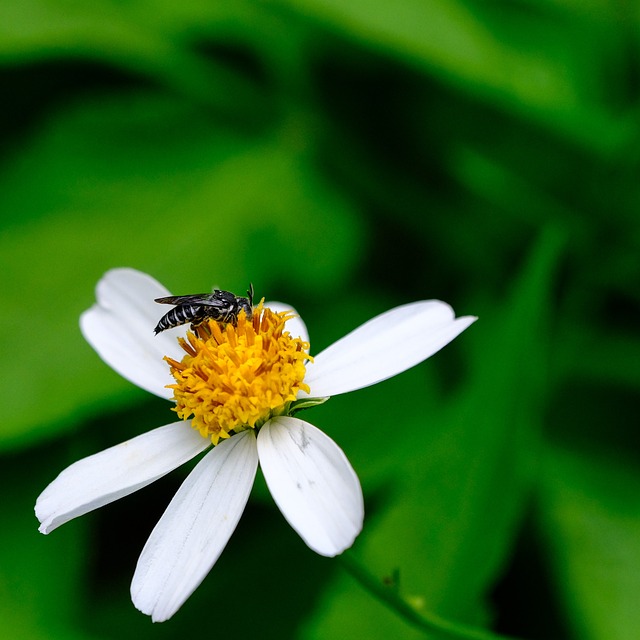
[590,521]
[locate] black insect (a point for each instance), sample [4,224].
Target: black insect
[221,306]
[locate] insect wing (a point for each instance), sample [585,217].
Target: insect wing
[196,298]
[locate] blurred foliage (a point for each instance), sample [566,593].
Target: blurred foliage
[345,157]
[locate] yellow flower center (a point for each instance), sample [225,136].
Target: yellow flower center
[234,378]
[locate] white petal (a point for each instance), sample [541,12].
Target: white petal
[116,472]
[295,326]
[383,347]
[120,328]
[312,483]
[195,528]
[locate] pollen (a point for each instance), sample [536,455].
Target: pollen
[236,377]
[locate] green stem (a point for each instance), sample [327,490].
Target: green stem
[423,620]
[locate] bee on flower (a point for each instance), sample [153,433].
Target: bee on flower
[236,386]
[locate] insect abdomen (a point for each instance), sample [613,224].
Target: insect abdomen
[179,315]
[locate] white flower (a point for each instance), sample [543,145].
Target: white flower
[308,475]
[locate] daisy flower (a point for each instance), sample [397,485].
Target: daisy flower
[237,389]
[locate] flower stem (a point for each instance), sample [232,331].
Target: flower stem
[423,620]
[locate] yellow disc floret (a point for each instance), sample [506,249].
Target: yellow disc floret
[235,377]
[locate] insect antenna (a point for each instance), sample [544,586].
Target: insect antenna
[250,293]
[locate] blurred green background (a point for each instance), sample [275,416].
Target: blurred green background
[345,157]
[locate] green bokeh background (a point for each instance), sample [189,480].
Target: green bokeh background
[344,156]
